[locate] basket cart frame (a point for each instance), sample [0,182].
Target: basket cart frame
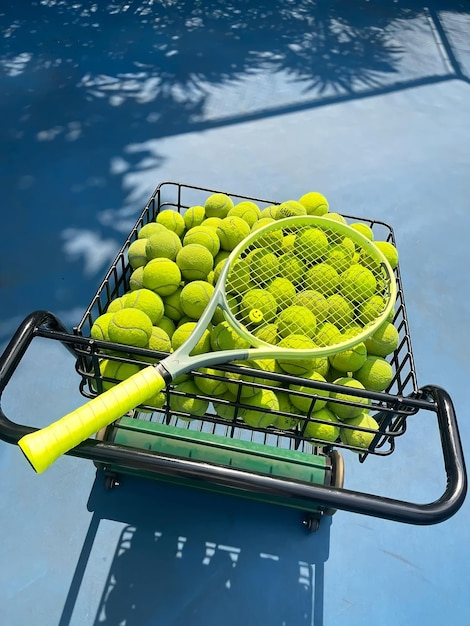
[281,467]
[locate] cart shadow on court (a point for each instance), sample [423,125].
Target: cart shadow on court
[185,556]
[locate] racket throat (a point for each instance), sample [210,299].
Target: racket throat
[164,373]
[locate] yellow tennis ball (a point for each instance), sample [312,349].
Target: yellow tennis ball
[224,337]
[290,208]
[204,236]
[389,251]
[226,406]
[349,360]
[172,305]
[167,324]
[238,383]
[369,310]
[232,231]
[323,278]
[184,399]
[116,372]
[327,334]
[130,327]
[358,283]
[336,217]
[211,383]
[301,395]
[172,220]
[298,366]
[360,439]
[194,216]
[162,276]
[116,305]
[195,262]
[247,210]
[288,419]
[283,290]
[152,228]
[267,333]
[164,244]
[376,373]
[272,240]
[238,278]
[315,203]
[261,406]
[296,320]
[326,430]
[147,301]
[384,341]
[269,212]
[314,301]
[258,299]
[211,222]
[311,245]
[194,298]
[136,279]
[99,329]
[136,254]
[182,333]
[339,257]
[340,311]
[264,266]
[364,229]
[159,340]
[292,268]
[347,411]
[218,205]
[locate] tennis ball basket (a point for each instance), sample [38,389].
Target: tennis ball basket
[197,433]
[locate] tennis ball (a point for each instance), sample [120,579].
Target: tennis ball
[194,216]
[182,333]
[376,373]
[162,276]
[283,290]
[219,314]
[271,240]
[311,245]
[371,309]
[167,325]
[224,337]
[292,268]
[211,222]
[336,217]
[195,297]
[248,211]
[340,311]
[315,203]
[314,301]
[359,438]
[222,255]
[218,205]
[266,365]
[296,320]
[323,278]
[172,305]
[260,414]
[259,299]
[159,340]
[232,231]
[99,329]
[297,366]
[130,327]
[239,278]
[187,402]
[267,333]
[116,305]
[152,228]
[270,212]
[327,334]
[285,421]
[117,371]
[347,411]
[136,279]
[326,430]
[238,383]
[364,229]
[288,243]
[226,407]
[384,341]
[204,236]
[172,220]
[211,383]
[339,257]
[147,301]
[164,244]
[136,254]
[290,208]
[195,262]
[358,283]
[302,396]
[264,266]
[349,360]
[389,251]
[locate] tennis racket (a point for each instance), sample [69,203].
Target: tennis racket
[325,263]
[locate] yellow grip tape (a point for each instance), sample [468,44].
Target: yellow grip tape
[44,446]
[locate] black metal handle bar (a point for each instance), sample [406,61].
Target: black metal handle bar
[329,497]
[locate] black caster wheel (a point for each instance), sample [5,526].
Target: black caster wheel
[312,523]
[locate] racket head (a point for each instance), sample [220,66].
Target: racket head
[304,250]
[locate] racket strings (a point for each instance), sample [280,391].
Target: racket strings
[313,282]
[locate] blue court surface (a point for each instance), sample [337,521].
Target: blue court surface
[364,101]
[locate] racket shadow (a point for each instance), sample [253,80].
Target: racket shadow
[192,557]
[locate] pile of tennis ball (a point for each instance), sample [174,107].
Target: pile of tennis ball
[175,262]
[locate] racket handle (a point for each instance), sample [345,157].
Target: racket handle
[44,446]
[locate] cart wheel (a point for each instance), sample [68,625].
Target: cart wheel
[337,477]
[110,481]
[312,522]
